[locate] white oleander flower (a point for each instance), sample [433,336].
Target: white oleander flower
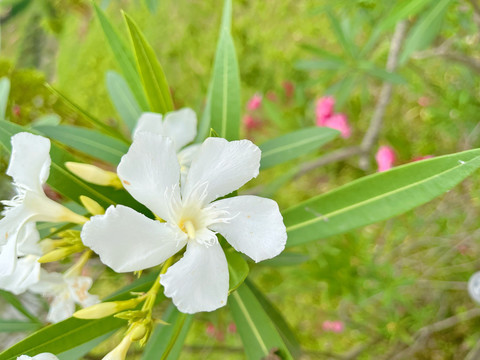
[180,126]
[65,291]
[29,167]
[42,356]
[26,274]
[474,287]
[129,241]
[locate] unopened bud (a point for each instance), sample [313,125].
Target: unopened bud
[105,309]
[120,352]
[93,174]
[59,254]
[91,205]
[138,332]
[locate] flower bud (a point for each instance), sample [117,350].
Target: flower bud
[138,332]
[59,254]
[93,174]
[105,309]
[120,352]
[91,205]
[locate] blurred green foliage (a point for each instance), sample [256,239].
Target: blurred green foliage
[385,281]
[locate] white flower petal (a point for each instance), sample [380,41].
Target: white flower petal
[150,172]
[127,241]
[185,158]
[181,127]
[79,286]
[61,308]
[256,226]
[26,274]
[50,284]
[8,256]
[474,287]
[27,241]
[30,161]
[42,356]
[198,281]
[149,122]
[223,167]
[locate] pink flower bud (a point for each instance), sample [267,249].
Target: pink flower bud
[250,122]
[385,158]
[424,101]
[255,102]
[210,329]
[232,328]
[324,109]
[333,326]
[339,122]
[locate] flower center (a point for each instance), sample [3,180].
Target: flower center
[188,227]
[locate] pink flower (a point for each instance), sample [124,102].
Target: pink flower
[289,88]
[424,101]
[333,326]
[324,109]
[385,158]
[232,328]
[339,122]
[250,122]
[210,329]
[255,102]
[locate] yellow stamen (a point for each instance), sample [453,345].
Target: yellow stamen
[190,229]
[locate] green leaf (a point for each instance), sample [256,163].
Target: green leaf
[287,259]
[237,269]
[90,142]
[151,72]
[124,57]
[13,300]
[80,351]
[88,117]
[278,320]
[10,326]
[168,340]
[4,93]
[204,126]
[344,39]
[259,335]
[50,120]
[152,5]
[71,333]
[377,197]
[295,144]
[225,101]
[425,30]
[64,182]
[123,100]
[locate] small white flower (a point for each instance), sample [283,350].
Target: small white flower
[42,356]
[26,274]
[65,291]
[129,241]
[29,167]
[474,287]
[180,126]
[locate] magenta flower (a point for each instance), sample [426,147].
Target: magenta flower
[339,122]
[333,326]
[324,109]
[255,102]
[385,158]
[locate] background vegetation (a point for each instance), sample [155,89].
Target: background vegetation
[397,287]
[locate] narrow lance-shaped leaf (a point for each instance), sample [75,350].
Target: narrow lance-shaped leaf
[167,340]
[377,197]
[123,100]
[71,333]
[225,106]
[151,72]
[259,335]
[295,144]
[124,57]
[87,116]
[88,141]
[278,320]
[4,93]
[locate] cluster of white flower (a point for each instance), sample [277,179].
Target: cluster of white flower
[186,190]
